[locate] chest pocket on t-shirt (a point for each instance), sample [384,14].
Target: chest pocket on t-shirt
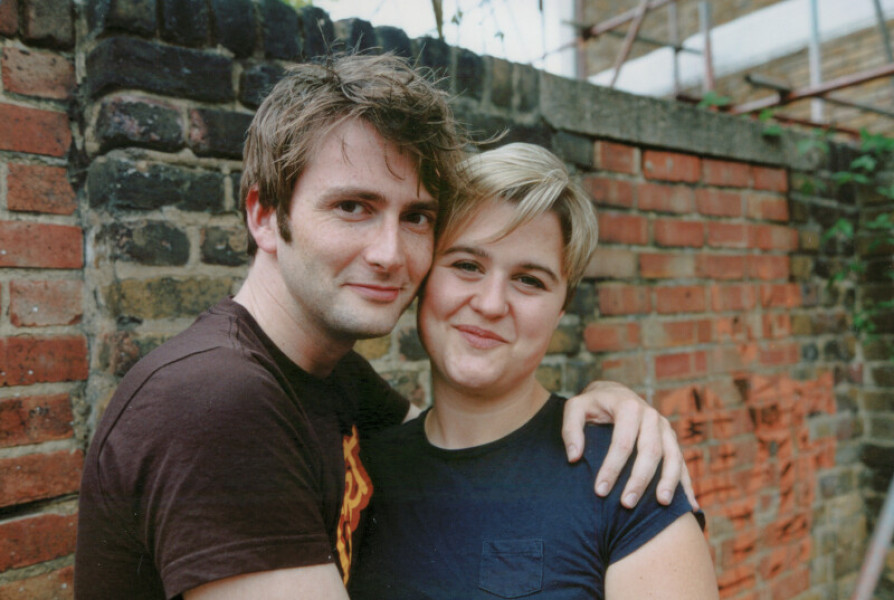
[511,568]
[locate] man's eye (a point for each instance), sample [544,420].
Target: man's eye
[420,218]
[350,206]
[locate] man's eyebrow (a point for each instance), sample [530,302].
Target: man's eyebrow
[362,193]
[480,253]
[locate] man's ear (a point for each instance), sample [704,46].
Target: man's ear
[261,222]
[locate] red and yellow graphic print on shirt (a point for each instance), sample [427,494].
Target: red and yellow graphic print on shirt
[358,492]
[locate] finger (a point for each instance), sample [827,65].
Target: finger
[573,425]
[672,467]
[626,430]
[648,456]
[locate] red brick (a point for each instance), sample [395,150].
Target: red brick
[766,208]
[773,237]
[37,539]
[620,299]
[56,585]
[791,583]
[37,73]
[611,156]
[606,191]
[727,235]
[39,188]
[680,299]
[740,328]
[720,266]
[671,166]
[9,17]
[35,419]
[33,130]
[682,365]
[777,354]
[733,359]
[666,334]
[26,360]
[624,368]
[736,580]
[33,477]
[718,203]
[726,173]
[729,455]
[611,262]
[604,337]
[43,303]
[766,178]
[739,549]
[665,198]
[666,266]
[732,423]
[733,297]
[24,244]
[769,266]
[777,325]
[623,228]
[783,295]
[679,401]
[675,232]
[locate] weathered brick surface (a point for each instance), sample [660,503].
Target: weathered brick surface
[129,120]
[26,244]
[9,17]
[37,73]
[185,22]
[38,476]
[25,360]
[39,188]
[56,585]
[671,166]
[35,419]
[36,539]
[33,130]
[44,303]
[218,133]
[621,158]
[146,242]
[48,22]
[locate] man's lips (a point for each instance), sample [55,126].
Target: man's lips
[480,338]
[376,293]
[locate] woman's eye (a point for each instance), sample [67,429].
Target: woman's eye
[531,282]
[466,266]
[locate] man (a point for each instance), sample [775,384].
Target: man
[227,464]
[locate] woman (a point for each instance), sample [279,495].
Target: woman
[474,499]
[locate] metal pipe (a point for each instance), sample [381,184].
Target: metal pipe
[674,30]
[878,548]
[815,60]
[704,14]
[883,29]
[628,41]
[624,17]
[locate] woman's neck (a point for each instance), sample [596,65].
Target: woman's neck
[463,419]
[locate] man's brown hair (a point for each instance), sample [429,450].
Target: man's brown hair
[402,103]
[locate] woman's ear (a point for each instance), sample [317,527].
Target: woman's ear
[261,222]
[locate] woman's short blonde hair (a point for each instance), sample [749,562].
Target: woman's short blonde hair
[534,179]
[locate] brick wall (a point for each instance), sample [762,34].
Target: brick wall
[120,138]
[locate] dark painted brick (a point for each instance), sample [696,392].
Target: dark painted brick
[355,35]
[9,17]
[234,25]
[221,246]
[256,82]
[395,40]
[573,148]
[434,54]
[151,243]
[119,184]
[132,16]
[164,297]
[318,32]
[121,350]
[527,88]
[281,26]
[49,22]
[501,82]
[135,121]
[469,75]
[185,22]
[217,132]
[130,63]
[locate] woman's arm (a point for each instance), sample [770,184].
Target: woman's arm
[674,565]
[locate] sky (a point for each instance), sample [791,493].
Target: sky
[512,29]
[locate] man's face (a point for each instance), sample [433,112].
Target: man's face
[362,235]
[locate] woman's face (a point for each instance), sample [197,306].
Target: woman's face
[490,306]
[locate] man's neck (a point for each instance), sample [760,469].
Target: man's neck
[307,346]
[459,419]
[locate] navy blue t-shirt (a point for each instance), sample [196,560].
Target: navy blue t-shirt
[508,519]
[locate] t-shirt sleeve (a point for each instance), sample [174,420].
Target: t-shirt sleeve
[380,405]
[226,480]
[625,530]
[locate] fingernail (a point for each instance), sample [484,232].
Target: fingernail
[630,500]
[665,496]
[572,450]
[602,488]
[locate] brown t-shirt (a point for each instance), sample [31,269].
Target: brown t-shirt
[218,456]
